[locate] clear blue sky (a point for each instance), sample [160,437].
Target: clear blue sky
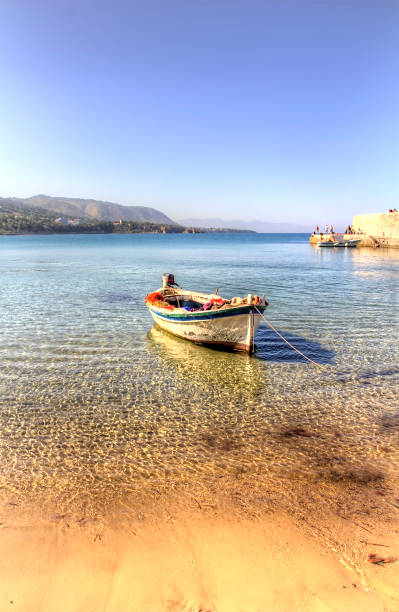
[282,110]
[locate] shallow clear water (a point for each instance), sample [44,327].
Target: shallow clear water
[97,407]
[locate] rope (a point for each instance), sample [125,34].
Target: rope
[289,343]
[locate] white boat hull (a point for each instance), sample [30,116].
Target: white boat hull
[227,328]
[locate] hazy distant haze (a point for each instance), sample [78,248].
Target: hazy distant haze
[256,225]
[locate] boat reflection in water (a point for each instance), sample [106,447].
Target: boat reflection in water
[239,375]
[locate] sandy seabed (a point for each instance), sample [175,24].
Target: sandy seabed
[195,559]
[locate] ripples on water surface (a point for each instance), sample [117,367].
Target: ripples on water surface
[100,412]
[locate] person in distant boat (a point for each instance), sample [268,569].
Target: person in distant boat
[317,230]
[326,229]
[331,229]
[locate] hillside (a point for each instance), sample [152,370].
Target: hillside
[17,218]
[93,209]
[14,207]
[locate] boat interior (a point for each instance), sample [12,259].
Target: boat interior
[190,301]
[184,301]
[171,296]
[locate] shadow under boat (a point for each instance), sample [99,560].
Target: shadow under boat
[239,373]
[270,347]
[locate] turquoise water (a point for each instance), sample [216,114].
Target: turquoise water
[98,408]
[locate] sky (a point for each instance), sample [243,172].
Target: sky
[280,110]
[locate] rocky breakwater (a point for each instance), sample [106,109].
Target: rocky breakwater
[378,230]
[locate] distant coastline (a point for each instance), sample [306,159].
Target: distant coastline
[143,231]
[110,228]
[18,218]
[92,216]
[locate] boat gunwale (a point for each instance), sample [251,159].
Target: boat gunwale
[199,315]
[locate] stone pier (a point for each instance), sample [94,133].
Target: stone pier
[374,230]
[378,229]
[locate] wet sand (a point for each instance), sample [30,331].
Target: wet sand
[236,535]
[228,540]
[195,558]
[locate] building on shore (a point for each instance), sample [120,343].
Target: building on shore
[374,230]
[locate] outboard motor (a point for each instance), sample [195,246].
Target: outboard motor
[168,280]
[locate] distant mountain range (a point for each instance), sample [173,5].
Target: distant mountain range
[19,216]
[88,209]
[92,209]
[255,226]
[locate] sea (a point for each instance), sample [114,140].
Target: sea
[103,414]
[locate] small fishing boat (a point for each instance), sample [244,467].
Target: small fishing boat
[206,318]
[338,243]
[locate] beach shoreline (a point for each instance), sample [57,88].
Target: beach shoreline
[192,559]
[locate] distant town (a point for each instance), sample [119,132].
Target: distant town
[19,217]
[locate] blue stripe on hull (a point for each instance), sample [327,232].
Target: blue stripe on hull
[206,315]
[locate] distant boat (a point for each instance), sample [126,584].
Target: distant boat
[338,243]
[206,318]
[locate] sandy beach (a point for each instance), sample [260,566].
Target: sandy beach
[194,559]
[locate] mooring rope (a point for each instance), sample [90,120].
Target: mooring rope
[289,343]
